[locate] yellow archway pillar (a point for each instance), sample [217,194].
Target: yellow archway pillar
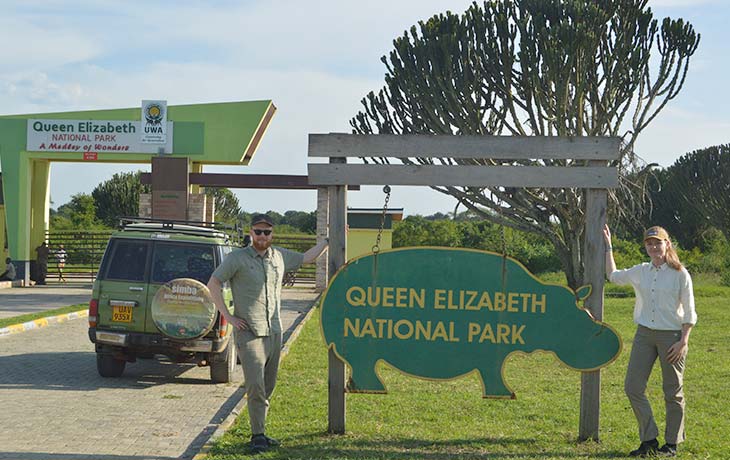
[39,202]
[195,167]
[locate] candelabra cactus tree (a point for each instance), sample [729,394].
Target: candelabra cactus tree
[534,67]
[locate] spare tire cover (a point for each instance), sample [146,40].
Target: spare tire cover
[183,309]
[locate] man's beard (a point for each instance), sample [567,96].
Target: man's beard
[261,246]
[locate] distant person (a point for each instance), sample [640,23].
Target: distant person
[61,257]
[665,314]
[9,273]
[255,274]
[42,252]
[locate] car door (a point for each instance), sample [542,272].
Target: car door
[123,286]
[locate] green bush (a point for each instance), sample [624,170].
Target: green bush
[538,255]
[534,252]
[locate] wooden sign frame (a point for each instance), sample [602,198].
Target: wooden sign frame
[593,174]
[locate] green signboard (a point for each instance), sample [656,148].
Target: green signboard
[441,313]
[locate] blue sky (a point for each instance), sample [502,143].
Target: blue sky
[314,59]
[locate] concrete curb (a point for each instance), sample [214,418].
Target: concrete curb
[231,418]
[42,322]
[11,284]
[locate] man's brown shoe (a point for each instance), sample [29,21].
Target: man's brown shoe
[259,443]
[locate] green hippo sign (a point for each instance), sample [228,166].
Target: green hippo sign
[441,313]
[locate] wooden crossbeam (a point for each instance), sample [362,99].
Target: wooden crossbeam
[253,181]
[479,147]
[473,176]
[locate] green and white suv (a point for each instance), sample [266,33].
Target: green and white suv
[149,299]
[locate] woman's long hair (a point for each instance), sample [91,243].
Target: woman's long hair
[672,257]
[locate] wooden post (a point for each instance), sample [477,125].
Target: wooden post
[323,219]
[595,263]
[336,259]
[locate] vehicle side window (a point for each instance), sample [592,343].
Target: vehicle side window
[128,260]
[171,260]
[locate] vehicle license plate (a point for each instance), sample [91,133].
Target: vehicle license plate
[122,314]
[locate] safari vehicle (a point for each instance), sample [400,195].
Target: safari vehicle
[126,317]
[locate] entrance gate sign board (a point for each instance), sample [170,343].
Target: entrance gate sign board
[524,162]
[441,313]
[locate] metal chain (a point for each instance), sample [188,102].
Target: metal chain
[504,244]
[386,190]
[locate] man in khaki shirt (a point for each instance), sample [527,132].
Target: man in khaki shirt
[256,274]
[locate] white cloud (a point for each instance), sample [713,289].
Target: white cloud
[28,46]
[314,59]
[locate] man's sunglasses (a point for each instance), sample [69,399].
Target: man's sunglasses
[259,231]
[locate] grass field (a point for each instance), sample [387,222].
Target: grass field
[449,420]
[42,314]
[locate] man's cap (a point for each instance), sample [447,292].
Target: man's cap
[656,232]
[261,219]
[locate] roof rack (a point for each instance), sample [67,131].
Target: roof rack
[235,232]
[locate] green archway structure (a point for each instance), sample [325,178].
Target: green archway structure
[221,133]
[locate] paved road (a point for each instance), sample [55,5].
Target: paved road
[54,405]
[21,300]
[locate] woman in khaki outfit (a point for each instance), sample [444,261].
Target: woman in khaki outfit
[665,314]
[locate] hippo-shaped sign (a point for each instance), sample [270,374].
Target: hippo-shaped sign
[440,313]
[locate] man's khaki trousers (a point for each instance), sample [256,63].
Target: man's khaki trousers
[260,361]
[650,344]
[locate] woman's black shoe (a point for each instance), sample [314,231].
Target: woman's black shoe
[668,450]
[272,442]
[646,449]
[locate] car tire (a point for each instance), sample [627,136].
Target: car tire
[109,366]
[224,365]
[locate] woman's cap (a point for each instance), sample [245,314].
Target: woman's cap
[657,233]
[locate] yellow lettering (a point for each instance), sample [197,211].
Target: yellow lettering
[474,329]
[452,306]
[373,301]
[512,302]
[416,299]
[409,327]
[487,334]
[499,301]
[502,333]
[368,328]
[381,322]
[439,296]
[525,299]
[440,332]
[541,303]
[423,331]
[401,295]
[517,334]
[388,297]
[470,301]
[452,336]
[353,299]
[355,328]
[485,301]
